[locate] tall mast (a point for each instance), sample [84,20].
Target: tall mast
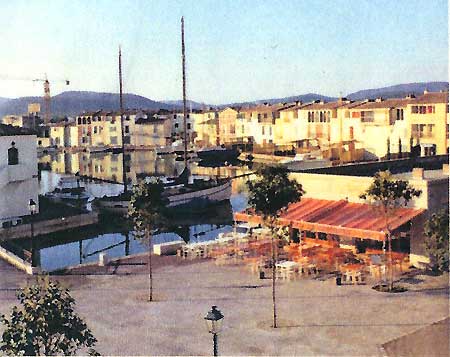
[124,169]
[183,57]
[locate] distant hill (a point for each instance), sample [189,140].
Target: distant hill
[190,104]
[398,91]
[72,103]
[304,98]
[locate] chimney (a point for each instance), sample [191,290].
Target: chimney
[410,96]
[445,169]
[425,91]
[417,173]
[379,100]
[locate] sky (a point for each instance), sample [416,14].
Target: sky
[236,50]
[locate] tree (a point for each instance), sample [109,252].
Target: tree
[147,210]
[269,195]
[436,240]
[46,324]
[388,194]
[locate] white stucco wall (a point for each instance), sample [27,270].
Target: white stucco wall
[18,183]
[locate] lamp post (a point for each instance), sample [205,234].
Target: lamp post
[214,324]
[32,208]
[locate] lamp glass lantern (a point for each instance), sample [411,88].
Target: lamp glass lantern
[214,320]
[32,206]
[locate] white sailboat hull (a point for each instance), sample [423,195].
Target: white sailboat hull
[202,197]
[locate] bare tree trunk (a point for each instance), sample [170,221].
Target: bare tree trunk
[150,272]
[391,270]
[274,304]
[389,238]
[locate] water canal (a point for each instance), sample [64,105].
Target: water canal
[112,236]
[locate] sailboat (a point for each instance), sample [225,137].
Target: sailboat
[184,193]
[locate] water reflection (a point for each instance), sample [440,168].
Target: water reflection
[108,166]
[60,250]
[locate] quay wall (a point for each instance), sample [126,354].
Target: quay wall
[49,226]
[19,263]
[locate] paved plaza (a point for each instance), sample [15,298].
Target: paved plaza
[316,317]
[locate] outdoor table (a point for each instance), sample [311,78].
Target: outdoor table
[353,272]
[287,269]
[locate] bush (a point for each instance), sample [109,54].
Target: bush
[436,240]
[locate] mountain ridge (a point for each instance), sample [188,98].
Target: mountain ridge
[76,102]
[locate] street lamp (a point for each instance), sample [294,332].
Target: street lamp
[214,324]
[32,208]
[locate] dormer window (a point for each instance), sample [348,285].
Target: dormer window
[13,155]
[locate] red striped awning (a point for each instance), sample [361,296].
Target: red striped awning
[358,220]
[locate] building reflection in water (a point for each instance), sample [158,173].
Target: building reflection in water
[107,166]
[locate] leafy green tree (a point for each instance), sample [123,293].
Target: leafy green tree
[269,195]
[147,210]
[436,240]
[45,324]
[388,194]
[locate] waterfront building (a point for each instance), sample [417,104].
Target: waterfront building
[227,119]
[18,173]
[150,131]
[98,129]
[427,116]
[206,129]
[57,135]
[380,125]
[287,128]
[29,121]
[178,125]
[392,126]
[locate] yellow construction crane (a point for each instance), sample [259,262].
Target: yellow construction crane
[47,97]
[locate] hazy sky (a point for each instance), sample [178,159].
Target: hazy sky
[236,50]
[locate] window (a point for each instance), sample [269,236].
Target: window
[232,129]
[112,128]
[243,129]
[176,125]
[265,115]
[79,121]
[13,155]
[155,129]
[270,131]
[262,128]
[188,126]
[127,129]
[400,114]
[95,130]
[367,116]
[446,130]
[422,109]
[114,140]
[84,120]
